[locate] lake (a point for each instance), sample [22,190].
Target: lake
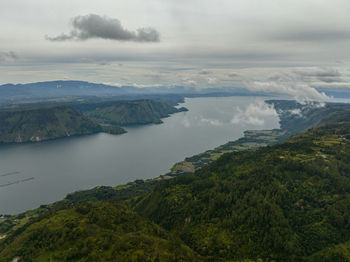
[41,173]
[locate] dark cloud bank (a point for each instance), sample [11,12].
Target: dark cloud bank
[95,26]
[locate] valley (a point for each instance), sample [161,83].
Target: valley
[290,197]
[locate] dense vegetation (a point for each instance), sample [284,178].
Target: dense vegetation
[94,232]
[44,123]
[133,112]
[294,118]
[252,140]
[289,202]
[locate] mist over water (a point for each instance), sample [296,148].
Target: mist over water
[41,173]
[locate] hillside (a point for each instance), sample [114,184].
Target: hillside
[289,202]
[97,232]
[135,112]
[45,123]
[294,118]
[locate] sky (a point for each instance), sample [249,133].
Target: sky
[281,46]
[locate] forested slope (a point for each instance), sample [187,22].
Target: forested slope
[134,112]
[288,202]
[102,231]
[44,123]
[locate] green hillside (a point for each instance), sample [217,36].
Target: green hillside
[97,232]
[294,118]
[289,202]
[135,112]
[45,123]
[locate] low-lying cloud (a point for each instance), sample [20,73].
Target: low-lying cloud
[296,111]
[300,112]
[254,114]
[288,84]
[95,26]
[190,83]
[213,122]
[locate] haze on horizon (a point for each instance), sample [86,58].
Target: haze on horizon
[287,47]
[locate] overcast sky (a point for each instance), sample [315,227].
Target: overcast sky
[257,44]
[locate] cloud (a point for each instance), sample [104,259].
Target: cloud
[327,75]
[190,83]
[304,107]
[232,74]
[319,105]
[211,80]
[254,114]
[103,63]
[213,122]
[204,72]
[86,60]
[313,35]
[144,85]
[296,111]
[95,26]
[8,56]
[185,122]
[287,84]
[319,72]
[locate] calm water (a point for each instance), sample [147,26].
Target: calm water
[35,174]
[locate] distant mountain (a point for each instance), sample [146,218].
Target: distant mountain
[58,89]
[45,123]
[51,89]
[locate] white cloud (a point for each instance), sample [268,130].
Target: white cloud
[211,80]
[287,84]
[296,111]
[185,122]
[190,83]
[213,122]
[254,114]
